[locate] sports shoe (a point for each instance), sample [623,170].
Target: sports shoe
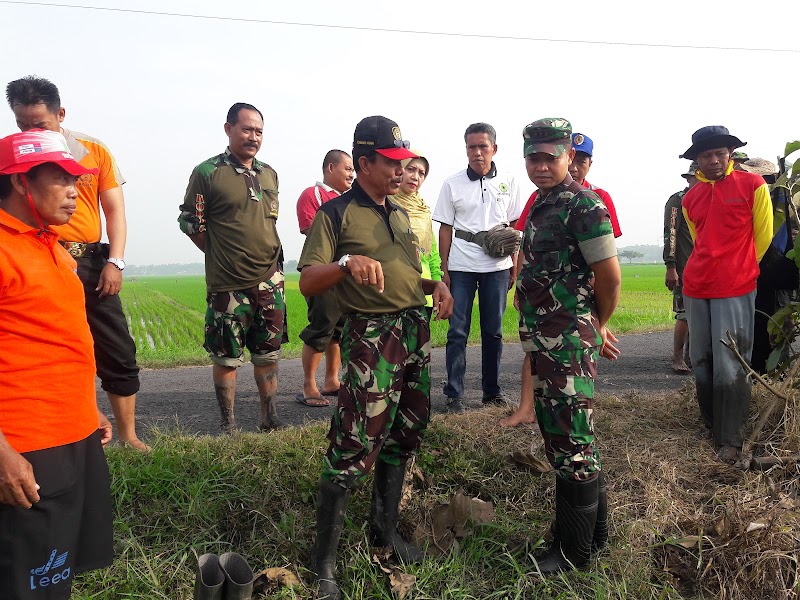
[495,400]
[455,406]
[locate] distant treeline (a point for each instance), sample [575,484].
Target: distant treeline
[184,269]
[647,254]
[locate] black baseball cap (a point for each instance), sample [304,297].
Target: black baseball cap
[381,135]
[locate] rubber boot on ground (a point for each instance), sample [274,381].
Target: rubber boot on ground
[238,577]
[331,506]
[210,578]
[600,538]
[576,516]
[384,512]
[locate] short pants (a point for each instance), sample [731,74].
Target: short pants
[70,529]
[325,321]
[251,318]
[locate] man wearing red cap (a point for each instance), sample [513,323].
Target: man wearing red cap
[362,246]
[729,215]
[36,104]
[55,502]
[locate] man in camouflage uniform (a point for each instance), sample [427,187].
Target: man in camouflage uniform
[363,247]
[230,212]
[567,291]
[678,246]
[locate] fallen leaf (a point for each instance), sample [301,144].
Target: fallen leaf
[528,460]
[275,576]
[756,525]
[401,583]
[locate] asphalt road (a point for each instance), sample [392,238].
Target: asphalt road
[184,397]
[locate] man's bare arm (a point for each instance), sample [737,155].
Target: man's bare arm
[607,284]
[113,204]
[445,240]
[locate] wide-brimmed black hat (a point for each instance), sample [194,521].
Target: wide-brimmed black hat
[710,137]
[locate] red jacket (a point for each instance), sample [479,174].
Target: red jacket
[730,220]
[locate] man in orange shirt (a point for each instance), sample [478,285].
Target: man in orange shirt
[55,498]
[37,104]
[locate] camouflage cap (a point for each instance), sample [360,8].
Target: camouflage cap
[759,166]
[739,156]
[551,135]
[693,168]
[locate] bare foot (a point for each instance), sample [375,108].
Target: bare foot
[518,417]
[680,366]
[136,444]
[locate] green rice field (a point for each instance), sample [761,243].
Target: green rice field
[165,314]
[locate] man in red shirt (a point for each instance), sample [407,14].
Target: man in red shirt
[578,169]
[55,498]
[324,316]
[729,215]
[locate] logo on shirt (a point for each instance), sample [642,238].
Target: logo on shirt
[48,574]
[734,201]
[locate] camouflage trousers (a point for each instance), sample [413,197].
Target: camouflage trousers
[251,318]
[563,385]
[384,401]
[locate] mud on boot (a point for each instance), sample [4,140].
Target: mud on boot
[384,512]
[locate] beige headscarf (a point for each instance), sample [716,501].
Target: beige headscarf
[419,213]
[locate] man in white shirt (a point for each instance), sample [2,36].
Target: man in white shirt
[472,201]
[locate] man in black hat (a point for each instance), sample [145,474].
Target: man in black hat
[362,246]
[729,215]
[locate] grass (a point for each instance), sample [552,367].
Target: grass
[166,314]
[680,522]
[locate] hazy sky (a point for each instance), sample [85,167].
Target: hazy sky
[156,88]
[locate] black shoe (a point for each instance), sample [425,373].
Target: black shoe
[331,506]
[600,538]
[384,513]
[576,516]
[494,400]
[455,406]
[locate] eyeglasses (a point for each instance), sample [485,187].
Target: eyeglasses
[402,144]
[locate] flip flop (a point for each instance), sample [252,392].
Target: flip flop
[332,393]
[306,400]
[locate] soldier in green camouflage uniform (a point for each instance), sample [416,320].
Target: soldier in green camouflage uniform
[230,212]
[567,289]
[362,245]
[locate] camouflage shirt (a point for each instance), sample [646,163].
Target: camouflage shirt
[568,230]
[237,208]
[678,242]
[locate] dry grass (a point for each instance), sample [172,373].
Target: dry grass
[703,527]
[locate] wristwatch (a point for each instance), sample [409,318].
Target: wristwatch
[343,263]
[117,262]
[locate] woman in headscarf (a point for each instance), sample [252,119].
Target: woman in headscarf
[415,170]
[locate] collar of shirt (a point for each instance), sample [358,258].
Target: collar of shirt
[325,186]
[474,176]
[11,222]
[365,200]
[231,160]
[704,179]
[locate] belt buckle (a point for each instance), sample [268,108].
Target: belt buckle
[76,249]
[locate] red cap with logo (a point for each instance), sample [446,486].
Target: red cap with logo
[20,152]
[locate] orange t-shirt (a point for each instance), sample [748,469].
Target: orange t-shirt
[47,393]
[85,225]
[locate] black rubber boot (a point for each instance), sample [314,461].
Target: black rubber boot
[600,538]
[238,577]
[331,506]
[384,512]
[576,516]
[210,578]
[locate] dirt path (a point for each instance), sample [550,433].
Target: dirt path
[184,397]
